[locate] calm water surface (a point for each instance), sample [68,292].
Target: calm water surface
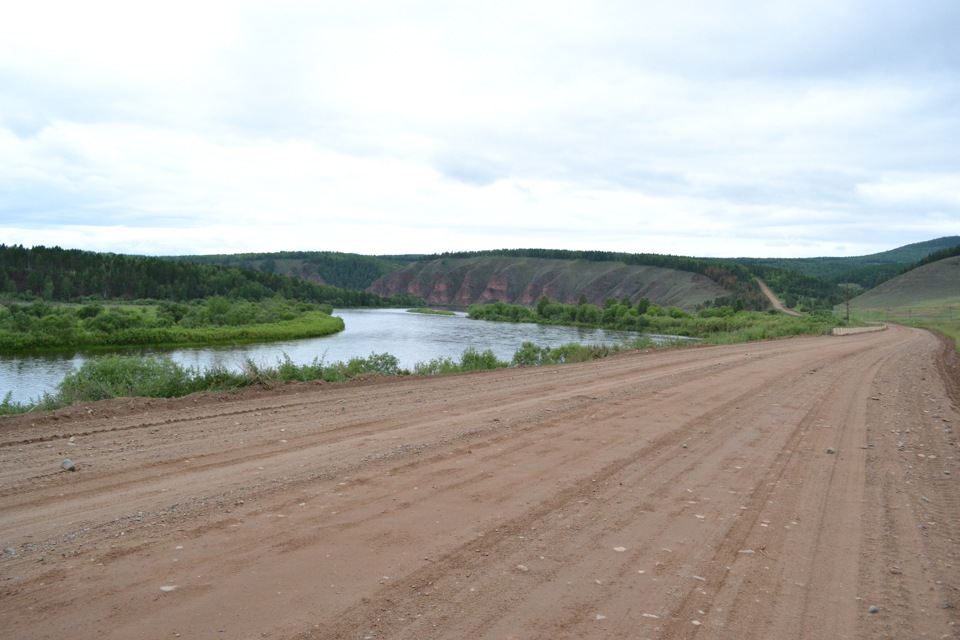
[411,337]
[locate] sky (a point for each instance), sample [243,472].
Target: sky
[724,128]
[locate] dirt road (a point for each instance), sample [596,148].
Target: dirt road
[769,490]
[775,301]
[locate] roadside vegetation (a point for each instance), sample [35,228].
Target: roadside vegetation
[118,376]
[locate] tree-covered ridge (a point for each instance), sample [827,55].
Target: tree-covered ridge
[730,275]
[863,270]
[344,270]
[66,275]
[936,256]
[797,287]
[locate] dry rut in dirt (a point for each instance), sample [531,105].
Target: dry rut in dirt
[782,489]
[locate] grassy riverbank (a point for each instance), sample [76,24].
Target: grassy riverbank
[723,325]
[42,326]
[115,376]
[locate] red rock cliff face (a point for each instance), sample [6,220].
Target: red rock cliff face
[466,281]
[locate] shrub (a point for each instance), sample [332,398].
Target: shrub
[116,376]
[437,366]
[530,354]
[473,360]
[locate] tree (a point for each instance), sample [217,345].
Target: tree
[542,306]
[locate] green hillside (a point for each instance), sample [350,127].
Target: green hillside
[345,270]
[934,283]
[69,275]
[928,296]
[868,271]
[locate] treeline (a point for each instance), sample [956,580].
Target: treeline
[70,275]
[836,279]
[936,256]
[855,268]
[615,314]
[729,275]
[800,291]
[345,270]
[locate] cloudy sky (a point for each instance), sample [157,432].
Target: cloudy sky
[696,127]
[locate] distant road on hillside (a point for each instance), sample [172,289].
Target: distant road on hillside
[775,301]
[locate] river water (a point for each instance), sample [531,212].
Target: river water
[411,337]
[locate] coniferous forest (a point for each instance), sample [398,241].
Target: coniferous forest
[71,275]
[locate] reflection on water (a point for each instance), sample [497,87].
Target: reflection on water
[411,337]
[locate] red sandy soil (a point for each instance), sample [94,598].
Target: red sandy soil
[663,494]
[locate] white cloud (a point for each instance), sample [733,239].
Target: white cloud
[712,128]
[938,193]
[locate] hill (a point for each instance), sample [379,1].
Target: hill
[934,283]
[867,271]
[927,296]
[345,270]
[524,280]
[69,275]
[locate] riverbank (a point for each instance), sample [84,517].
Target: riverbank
[41,326]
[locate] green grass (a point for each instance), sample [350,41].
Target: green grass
[927,297]
[937,315]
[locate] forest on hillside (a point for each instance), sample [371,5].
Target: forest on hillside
[344,270]
[70,275]
[867,271]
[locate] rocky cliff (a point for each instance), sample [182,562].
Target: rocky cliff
[466,281]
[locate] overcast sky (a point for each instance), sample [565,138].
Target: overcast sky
[711,128]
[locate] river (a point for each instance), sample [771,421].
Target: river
[411,337]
